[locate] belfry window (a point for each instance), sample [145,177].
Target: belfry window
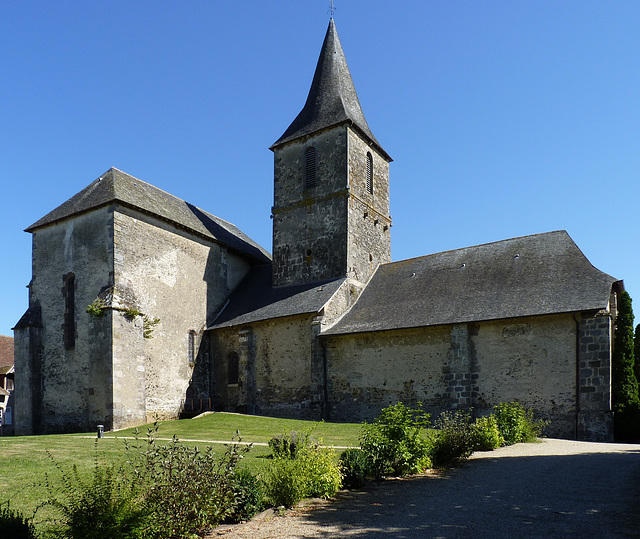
[233,368]
[369,173]
[69,326]
[310,168]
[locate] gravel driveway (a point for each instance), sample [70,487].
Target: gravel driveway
[555,488]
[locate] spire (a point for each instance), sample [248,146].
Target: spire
[332,98]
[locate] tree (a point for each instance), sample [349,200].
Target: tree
[636,356]
[626,404]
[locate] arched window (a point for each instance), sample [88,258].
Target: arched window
[310,168]
[233,368]
[192,348]
[369,173]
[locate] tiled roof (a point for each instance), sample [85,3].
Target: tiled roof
[255,299]
[527,276]
[6,350]
[115,186]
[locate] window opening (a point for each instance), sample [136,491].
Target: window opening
[369,172]
[69,326]
[233,368]
[192,348]
[310,168]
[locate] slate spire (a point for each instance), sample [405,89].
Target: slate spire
[332,98]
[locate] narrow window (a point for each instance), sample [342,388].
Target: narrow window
[369,173]
[310,168]
[232,369]
[192,348]
[69,326]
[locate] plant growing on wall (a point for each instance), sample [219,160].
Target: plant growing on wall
[96,308]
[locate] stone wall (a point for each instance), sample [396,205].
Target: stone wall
[56,362]
[532,360]
[183,281]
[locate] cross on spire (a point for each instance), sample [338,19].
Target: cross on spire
[332,9]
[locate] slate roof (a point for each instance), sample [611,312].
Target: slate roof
[527,276]
[255,299]
[6,351]
[115,186]
[332,99]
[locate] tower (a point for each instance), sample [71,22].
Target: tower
[331,183]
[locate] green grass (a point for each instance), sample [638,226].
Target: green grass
[26,464]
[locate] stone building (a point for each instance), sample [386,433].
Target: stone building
[328,327]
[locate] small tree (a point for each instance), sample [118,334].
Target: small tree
[626,404]
[636,355]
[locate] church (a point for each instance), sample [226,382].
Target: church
[144,306]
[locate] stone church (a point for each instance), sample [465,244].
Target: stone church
[142,305]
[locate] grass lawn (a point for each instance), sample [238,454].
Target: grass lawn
[26,464]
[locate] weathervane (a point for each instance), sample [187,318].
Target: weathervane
[332,9]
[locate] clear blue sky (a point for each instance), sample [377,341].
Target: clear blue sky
[504,118]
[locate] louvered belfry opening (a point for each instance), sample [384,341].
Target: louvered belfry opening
[310,167]
[369,173]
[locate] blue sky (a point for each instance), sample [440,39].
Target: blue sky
[504,118]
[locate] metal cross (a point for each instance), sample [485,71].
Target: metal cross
[332,9]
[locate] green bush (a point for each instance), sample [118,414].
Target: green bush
[355,468]
[103,507]
[185,490]
[487,434]
[516,424]
[14,525]
[393,443]
[312,472]
[454,440]
[287,445]
[248,496]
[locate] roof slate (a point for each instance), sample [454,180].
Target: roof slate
[6,351]
[115,186]
[527,276]
[332,99]
[255,299]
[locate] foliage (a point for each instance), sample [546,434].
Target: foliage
[355,468]
[148,325]
[624,382]
[130,314]
[96,308]
[636,356]
[287,445]
[185,489]
[454,440]
[247,496]
[393,443]
[103,507]
[14,525]
[516,424]
[312,471]
[487,435]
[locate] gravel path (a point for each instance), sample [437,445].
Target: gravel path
[555,488]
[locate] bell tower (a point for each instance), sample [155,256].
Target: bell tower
[331,183]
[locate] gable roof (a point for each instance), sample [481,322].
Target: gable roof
[332,99]
[527,276]
[115,186]
[255,299]
[6,351]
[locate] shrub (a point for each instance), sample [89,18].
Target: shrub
[13,525]
[311,472]
[487,434]
[247,496]
[393,443]
[355,468]
[517,424]
[455,439]
[287,445]
[185,489]
[102,507]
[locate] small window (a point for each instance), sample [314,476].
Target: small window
[310,168]
[233,369]
[192,348]
[369,173]
[69,326]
